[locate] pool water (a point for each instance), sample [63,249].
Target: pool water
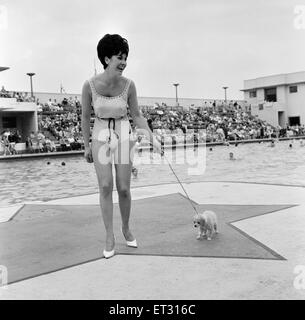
[35,180]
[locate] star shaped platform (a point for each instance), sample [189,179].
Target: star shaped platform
[44,238]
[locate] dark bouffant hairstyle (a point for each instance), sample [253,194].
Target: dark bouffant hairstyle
[110,45]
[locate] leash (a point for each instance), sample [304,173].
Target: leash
[180,184]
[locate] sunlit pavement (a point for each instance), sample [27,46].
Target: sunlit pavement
[166,276]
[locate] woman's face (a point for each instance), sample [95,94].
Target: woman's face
[117,63]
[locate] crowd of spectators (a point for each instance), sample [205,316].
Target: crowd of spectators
[64,128]
[20,96]
[38,142]
[59,125]
[220,122]
[66,105]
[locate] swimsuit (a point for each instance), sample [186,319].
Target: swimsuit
[111,125]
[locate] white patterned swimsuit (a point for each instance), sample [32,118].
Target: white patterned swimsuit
[111,125]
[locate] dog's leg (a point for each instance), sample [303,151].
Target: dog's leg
[198,235]
[215,227]
[201,233]
[209,233]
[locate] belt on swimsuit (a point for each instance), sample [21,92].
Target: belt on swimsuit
[113,126]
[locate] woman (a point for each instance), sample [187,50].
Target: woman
[111,94]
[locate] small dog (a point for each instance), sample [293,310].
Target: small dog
[207,221]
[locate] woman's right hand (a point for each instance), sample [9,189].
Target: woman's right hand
[88,154]
[158,147]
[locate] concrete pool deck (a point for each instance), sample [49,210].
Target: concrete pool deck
[258,254]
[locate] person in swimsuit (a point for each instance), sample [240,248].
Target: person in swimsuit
[111,94]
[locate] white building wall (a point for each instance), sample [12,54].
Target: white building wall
[292,104]
[296,102]
[268,114]
[281,94]
[24,112]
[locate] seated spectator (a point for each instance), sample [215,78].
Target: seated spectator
[15,136]
[5,144]
[4,93]
[50,145]
[62,143]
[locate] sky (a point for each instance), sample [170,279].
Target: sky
[201,44]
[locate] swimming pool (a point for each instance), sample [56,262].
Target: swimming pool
[35,180]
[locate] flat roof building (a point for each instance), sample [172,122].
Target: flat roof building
[18,115]
[277,99]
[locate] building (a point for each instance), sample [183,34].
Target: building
[21,116]
[277,99]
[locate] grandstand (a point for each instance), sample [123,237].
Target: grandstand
[52,121]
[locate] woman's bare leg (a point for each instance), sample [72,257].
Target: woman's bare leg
[123,176]
[105,181]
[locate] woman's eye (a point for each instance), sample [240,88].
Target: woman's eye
[121,58]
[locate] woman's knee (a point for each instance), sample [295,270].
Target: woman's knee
[124,192]
[106,189]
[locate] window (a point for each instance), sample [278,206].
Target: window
[294,121]
[293,89]
[252,94]
[270,94]
[9,122]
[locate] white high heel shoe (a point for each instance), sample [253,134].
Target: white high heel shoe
[132,244]
[108,254]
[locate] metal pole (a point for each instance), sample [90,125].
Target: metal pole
[31,74]
[225,88]
[31,87]
[176,85]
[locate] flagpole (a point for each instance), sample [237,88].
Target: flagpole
[94,66]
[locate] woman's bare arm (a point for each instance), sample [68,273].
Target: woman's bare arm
[139,121]
[86,115]
[86,112]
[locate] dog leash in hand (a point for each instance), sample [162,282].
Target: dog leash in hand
[180,183]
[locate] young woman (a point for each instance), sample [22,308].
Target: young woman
[112,95]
